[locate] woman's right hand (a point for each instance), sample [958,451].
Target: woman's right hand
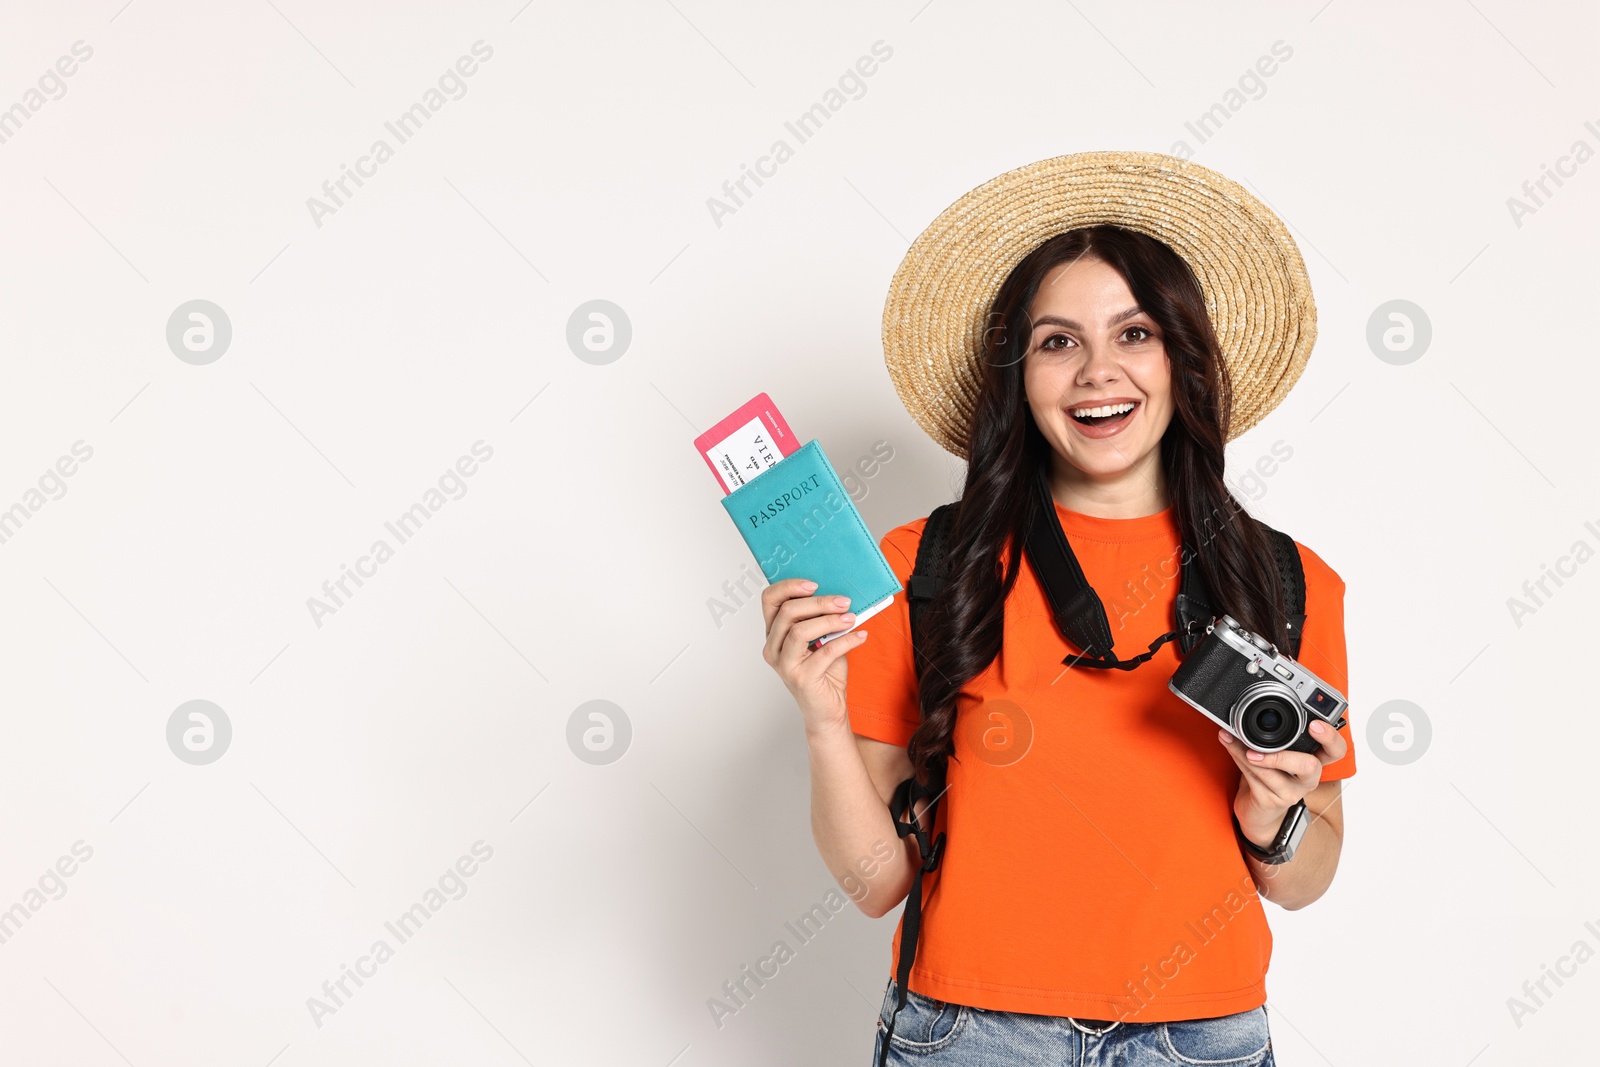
[795,618]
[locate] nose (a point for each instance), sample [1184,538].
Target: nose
[1098,367]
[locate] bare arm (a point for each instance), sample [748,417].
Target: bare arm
[1269,785]
[1303,879]
[852,777]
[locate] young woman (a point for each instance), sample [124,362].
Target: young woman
[1098,899]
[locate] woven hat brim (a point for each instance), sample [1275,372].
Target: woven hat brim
[1256,288]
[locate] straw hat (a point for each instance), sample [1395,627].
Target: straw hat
[1255,283]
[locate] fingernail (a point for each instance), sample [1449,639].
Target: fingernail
[810,587]
[1319,727]
[1224,737]
[848,617]
[1254,756]
[841,601]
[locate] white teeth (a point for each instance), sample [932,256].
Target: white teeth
[1109,409]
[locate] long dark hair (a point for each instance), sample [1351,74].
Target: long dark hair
[1005,450]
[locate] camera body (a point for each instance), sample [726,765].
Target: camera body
[1262,696]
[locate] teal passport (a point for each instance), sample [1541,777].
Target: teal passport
[800,522]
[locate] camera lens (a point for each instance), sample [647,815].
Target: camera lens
[1268,717]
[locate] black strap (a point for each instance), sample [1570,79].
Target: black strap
[1077,607]
[1292,576]
[1082,617]
[930,847]
[928,573]
[927,579]
[1194,604]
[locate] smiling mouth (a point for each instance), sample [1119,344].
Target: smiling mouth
[1103,414]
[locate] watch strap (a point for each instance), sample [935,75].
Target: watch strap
[1287,840]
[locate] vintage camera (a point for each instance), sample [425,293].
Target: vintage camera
[1262,696]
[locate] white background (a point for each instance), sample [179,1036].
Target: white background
[429,312]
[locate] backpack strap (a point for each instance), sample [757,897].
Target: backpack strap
[926,581]
[1292,576]
[928,573]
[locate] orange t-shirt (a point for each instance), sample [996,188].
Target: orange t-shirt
[1090,867]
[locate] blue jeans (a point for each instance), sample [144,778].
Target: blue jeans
[938,1034]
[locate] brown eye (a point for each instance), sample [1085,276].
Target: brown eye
[1046,346]
[1141,329]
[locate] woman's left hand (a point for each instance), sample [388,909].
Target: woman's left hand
[1271,783]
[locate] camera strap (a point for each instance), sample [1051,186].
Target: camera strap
[1078,610]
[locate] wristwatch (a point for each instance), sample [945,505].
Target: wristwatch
[1288,839]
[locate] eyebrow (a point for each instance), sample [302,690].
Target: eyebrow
[1056,320]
